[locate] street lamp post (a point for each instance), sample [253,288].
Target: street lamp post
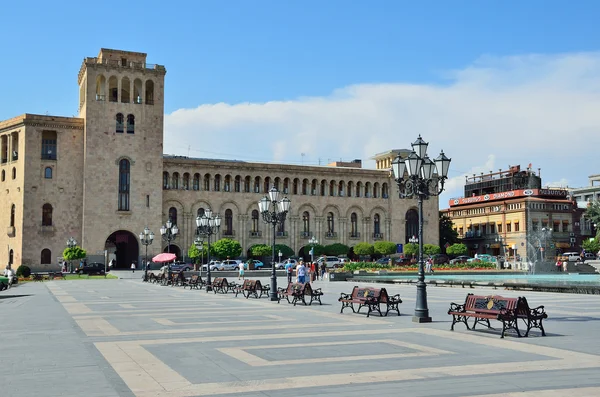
[425,178]
[313,241]
[499,240]
[199,243]
[71,243]
[207,226]
[280,255]
[169,232]
[146,238]
[275,216]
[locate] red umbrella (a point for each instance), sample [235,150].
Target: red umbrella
[164,257]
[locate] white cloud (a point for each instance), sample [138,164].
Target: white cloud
[537,109]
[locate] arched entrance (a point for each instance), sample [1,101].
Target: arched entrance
[304,253]
[412,225]
[174,250]
[123,246]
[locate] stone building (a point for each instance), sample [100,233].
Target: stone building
[101,178]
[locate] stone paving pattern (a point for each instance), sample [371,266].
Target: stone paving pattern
[128,338]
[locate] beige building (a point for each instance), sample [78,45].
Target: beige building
[102,177]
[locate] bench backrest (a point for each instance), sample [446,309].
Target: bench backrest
[194,278]
[492,304]
[292,287]
[250,285]
[366,292]
[220,282]
[522,307]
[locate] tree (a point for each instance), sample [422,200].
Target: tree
[74,253]
[285,250]
[335,249]
[385,247]
[411,249]
[447,233]
[592,212]
[591,245]
[362,249]
[195,254]
[457,249]
[226,248]
[260,250]
[431,249]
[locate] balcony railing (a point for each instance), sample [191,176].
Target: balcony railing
[377,236]
[354,236]
[331,235]
[306,234]
[282,234]
[48,156]
[473,234]
[255,234]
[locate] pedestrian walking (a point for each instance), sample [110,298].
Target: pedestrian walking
[301,272]
[289,268]
[241,272]
[323,270]
[133,267]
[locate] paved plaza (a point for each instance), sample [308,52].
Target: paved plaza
[128,338]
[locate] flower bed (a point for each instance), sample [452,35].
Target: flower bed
[371,266]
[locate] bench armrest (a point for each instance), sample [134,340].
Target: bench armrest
[345,296]
[317,291]
[455,307]
[506,314]
[396,299]
[538,312]
[281,290]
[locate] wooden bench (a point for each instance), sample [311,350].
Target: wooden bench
[37,277]
[252,288]
[372,298]
[194,282]
[220,285]
[54,276]
[506,310]
[299,292]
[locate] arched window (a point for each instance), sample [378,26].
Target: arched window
[137,91]
[11,258]
[354,225]
[330,225]
[173,215]
[276,183]
[14,173]
[305,187]
[149,92]
[12,215]
[376,190]
[376,225]
[237,184]
[48,172]
[257,184]
[217,183]
[101,88]
[186,181]
[247,184]
[228,223]
[384,191]
[254,222]
[130,124]
[124,180]
[119,125]
[281,229]
[227,183]
[358,189]
[196,185]
[175,180]
[46,257]
[412,224]
[113,89]
[305,224]
[368,189]
[267,184]
[286,185]
[323,187]
[313,187]
[332,188]
[165,180]
[200,212]
[125,90]
[3,175]
[47,215]
[295,186]
[207,182]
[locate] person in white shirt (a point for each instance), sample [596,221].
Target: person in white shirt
[10,275]
[301,272]
[241,267]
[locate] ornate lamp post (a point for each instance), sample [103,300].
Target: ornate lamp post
[275,216]
[199,243]
[425,178]
[207,226]
[313,241]
[169,232]
[71,243]
[146,238]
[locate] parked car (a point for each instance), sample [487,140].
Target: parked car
[281,265]
[257,264]
[91,268]
[330,261]
[228,264]
[571,256]
[439,259]
[483,258]
[214,265]
[460,259]
[383,261]
[3,283]
[179,266]
[589,256]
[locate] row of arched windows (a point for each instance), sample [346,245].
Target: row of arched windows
[128,94]
[120,123]
[227,224]
[3,174]
[294,186]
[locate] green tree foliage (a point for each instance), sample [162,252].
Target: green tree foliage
[225,248]
[411,249]
[384,247]
[196,255]
[592,212]
[286,251]
[363,249]
[457,249]
[447,233]
[74,253]
[260,250]
[335,249]
[431,249]
[319,250]
[591,245]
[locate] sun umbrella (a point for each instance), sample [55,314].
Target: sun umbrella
[164,257]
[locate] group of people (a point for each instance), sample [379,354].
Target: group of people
[306,273]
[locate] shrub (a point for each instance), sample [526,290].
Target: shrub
[384,247]
[23,271]
[363,249]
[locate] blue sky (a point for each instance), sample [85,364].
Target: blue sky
[246,55]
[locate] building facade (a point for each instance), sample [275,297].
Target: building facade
[509,214]
[101,178]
